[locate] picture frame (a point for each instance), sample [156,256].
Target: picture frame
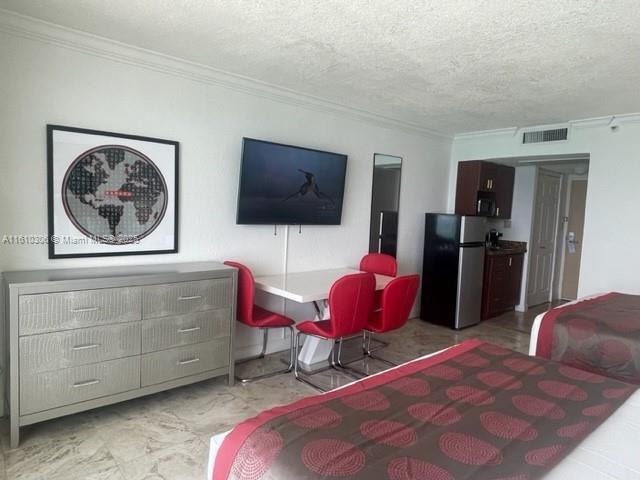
[111,194]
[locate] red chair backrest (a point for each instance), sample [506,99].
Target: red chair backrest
[246,293]
[351,303]
[379,263]
[397,300]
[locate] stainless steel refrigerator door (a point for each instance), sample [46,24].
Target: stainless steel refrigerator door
[470,276]
[473,229]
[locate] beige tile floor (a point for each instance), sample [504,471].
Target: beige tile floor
[165,436]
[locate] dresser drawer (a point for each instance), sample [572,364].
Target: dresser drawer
[168,332]
[186,297]
[42,391]
[53,351]
[50,312]
[180,362]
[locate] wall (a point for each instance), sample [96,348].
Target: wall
[610,257]
[60,81]
[521,219]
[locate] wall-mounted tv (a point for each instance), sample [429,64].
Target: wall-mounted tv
[287,185]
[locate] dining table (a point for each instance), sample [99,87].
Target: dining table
[311,287]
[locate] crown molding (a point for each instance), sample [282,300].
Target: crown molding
[510,131]
[39,30]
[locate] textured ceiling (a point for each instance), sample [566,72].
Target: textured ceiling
[451,66]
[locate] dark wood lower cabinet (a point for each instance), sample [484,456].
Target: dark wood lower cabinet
[501,286]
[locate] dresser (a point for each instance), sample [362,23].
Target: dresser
[84,338]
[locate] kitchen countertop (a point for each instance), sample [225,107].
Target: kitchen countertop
[507,247]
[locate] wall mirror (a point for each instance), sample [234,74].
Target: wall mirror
[385,200]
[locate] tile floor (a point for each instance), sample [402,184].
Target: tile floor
[165,436]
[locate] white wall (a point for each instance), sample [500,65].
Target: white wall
[610,256]
[46,83]
[521,220]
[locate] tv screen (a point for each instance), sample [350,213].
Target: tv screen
[283,184]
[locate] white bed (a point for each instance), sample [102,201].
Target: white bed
[610,452]
[535,328]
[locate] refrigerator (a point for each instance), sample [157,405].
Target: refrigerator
[453,269]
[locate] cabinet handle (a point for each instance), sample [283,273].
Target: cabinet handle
[488,184]
[87,309]
[191,329]
[192,297]
[510,260]
[185,362]
[85,347]
[86,383]
[498,212]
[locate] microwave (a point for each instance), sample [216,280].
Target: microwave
[486,207]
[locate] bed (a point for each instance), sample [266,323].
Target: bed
[609,451]
[600,334]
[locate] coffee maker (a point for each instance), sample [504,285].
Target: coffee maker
[493,237]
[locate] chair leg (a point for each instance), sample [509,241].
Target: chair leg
[370,354]
[262,355]
[333,364]
[265,339]
[383,344]
[296,373]
[352,372]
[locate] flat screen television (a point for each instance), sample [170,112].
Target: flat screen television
[287,185]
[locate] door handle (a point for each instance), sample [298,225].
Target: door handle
[498,212]
[85,347]
[86,309]
[86,383]
[191,297]
[190,329]
[186,362]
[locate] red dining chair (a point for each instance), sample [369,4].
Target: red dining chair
[257,317]
[350,306]
[397,300]
[379,263]
[382,264]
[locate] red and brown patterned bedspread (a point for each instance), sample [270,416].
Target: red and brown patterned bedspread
[474,411]
[600,335]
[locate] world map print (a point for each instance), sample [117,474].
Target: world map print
[114,194]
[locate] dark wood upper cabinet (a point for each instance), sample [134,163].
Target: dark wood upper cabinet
[480,181]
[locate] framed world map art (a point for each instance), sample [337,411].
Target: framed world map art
[111,194]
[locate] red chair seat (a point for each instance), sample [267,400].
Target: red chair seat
[375,324]
[321,328]
[265,318]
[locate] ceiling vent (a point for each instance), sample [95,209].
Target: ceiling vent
[539,136]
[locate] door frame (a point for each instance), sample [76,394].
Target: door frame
[558,175]
[565,226]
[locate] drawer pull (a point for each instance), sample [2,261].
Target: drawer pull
[185,330]
[192,297]
[85,347]
[86,384]
[186,362]
[84,310]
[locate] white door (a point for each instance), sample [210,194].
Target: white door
[543,239]
[573,240]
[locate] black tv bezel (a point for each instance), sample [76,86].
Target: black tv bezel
[244,142]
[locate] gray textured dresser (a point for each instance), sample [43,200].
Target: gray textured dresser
[83,338]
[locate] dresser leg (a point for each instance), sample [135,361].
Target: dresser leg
[14,434]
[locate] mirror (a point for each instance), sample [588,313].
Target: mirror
[385,200]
